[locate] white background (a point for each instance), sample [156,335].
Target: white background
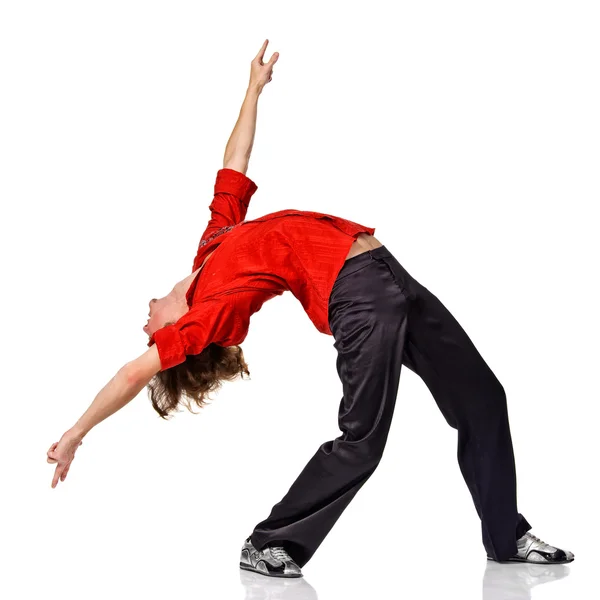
[466,133]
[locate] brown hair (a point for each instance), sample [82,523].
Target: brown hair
[192,380]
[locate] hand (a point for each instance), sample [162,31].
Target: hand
[261,73]
[63,453]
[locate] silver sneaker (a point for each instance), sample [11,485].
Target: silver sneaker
[533,550]
[272,561]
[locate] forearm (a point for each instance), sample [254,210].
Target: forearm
[118,392]
[239,145]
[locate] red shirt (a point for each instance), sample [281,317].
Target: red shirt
[254,261]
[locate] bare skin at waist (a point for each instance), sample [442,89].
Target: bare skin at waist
[363,242]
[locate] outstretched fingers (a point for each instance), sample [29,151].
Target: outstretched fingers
[261,53]
[64,473]
[60,467]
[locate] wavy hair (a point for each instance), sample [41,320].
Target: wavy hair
[193,380]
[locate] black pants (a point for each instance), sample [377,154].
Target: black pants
[382,318]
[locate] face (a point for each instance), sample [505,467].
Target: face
[162,310]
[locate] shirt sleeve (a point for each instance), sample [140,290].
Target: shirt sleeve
[222,321]
[232,193]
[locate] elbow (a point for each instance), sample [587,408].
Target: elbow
[130,375]
[133,378]
[137,373]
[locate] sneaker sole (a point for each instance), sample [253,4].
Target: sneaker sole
[249,568]
[532,562]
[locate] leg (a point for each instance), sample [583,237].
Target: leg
[473,401]
[367,314]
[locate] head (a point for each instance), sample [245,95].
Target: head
[200,374]
[166,311]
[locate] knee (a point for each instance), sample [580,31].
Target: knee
[366,451]
[493,406]
[496,399]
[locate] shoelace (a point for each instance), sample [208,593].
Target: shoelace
[536,539]
[280,553]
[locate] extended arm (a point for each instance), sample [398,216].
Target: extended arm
[119,391]
[128,382]
[239,145]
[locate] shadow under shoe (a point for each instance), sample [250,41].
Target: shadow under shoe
[273,561]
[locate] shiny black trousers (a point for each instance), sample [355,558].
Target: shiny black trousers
[382,318]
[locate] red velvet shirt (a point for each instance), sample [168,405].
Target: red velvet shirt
[254,261]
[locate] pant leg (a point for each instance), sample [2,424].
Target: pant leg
[473,401]
[368,319]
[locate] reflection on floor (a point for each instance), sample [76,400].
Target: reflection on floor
[501,581]
[514,581]
[263,587]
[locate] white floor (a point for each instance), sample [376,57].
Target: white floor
[82,566]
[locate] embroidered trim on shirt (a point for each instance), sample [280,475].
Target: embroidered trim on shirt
[217,233]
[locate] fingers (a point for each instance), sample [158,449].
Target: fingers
[261,52]
[51,453]
[273,59]
[57,473]
[64,473]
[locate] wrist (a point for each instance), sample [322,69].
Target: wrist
[78,431]
[254,90]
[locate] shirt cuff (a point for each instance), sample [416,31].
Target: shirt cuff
[235,182]
[169,344]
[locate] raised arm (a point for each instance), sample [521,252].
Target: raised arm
[241,140]
[233,189]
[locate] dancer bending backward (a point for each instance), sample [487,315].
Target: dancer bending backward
[353,288]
